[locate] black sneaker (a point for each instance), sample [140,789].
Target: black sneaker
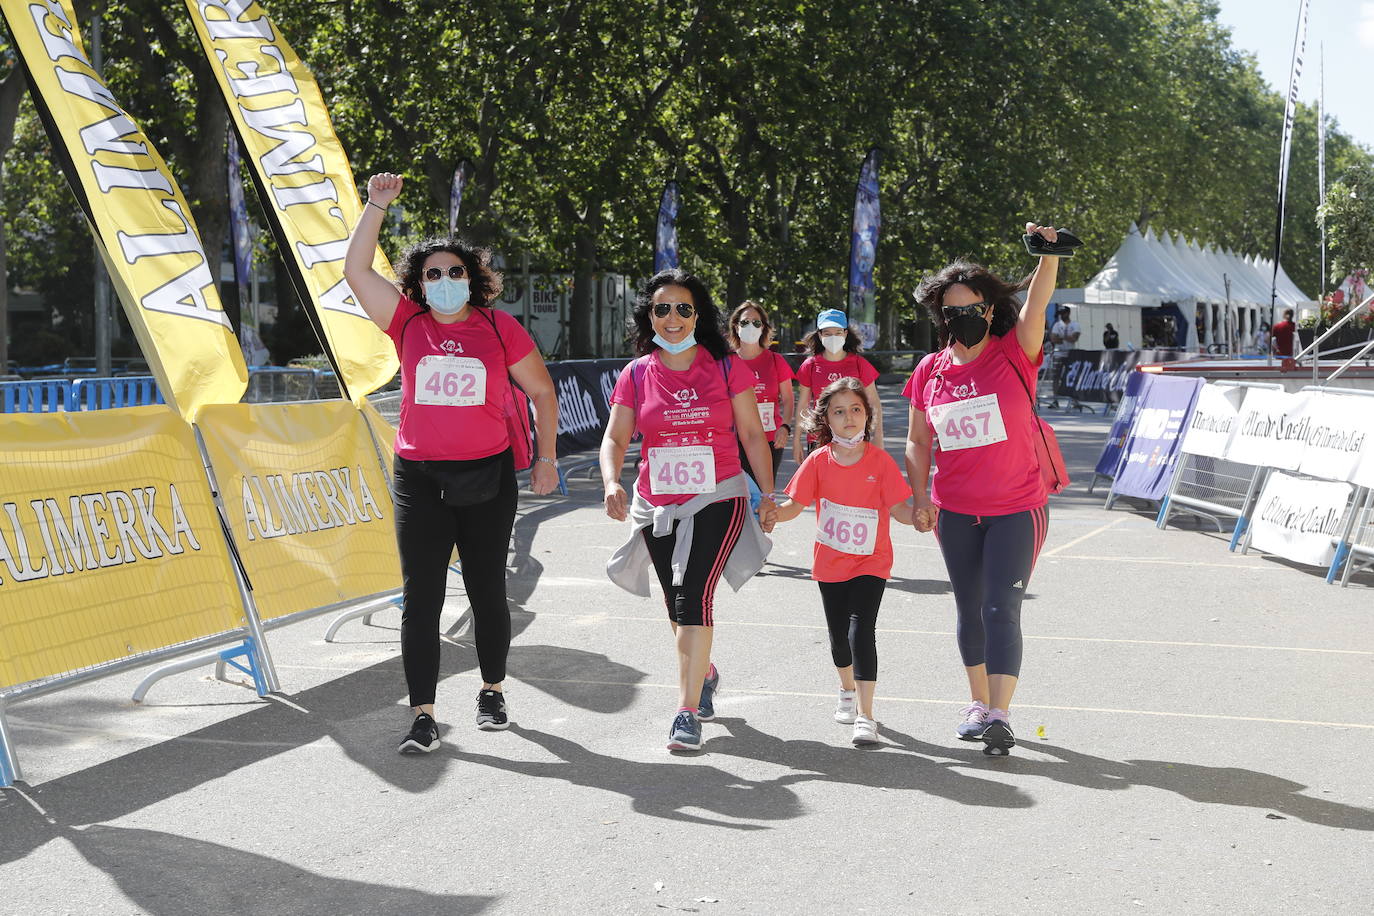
[423,737]
[997,738]
[491,711]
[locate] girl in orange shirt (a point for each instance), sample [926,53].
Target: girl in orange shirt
[856,487]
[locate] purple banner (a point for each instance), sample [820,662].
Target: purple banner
[863,242]
[665,233]
[1152,446]
[455,194]
[1137,383]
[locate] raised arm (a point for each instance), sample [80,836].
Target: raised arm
[375,293]
[1030,329]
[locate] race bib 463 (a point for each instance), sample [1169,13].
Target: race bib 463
[683,469]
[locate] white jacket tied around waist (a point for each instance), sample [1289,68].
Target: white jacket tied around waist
[629,566]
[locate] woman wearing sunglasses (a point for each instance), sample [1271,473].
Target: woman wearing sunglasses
[694,405]
[834,355]
[453,478]
[972,401]
[750,334]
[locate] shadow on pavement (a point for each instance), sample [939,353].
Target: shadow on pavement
[896,583]
[656,789]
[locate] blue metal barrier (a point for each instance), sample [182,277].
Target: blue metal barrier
[104,393]
[37,396]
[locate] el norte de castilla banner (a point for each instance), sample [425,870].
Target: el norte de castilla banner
[140,219]
[303,178]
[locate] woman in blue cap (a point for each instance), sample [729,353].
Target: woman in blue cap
[834,355]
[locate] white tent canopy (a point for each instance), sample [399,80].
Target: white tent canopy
[1199,285]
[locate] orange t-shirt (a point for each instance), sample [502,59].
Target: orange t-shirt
[852,514]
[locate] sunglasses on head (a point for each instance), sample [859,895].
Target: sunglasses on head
[976,310]
[456,272]
[684,309]
[743,321]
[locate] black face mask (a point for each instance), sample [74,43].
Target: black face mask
[969,330]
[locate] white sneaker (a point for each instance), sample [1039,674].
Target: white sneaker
[846,708]
[865,731]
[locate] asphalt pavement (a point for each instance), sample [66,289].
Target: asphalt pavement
[1195,728]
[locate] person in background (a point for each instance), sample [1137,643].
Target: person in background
[750,333]
[1110,339]
[1281,335]
[1262,338]
[834,350]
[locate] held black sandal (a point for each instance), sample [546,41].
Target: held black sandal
[1063,247]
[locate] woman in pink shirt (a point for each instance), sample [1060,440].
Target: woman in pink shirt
[453,480]
[834,355]
[971,401]
[750,333]
[694,406]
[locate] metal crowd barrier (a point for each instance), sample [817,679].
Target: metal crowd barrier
[36,396]
[1359,542]
[1214,488]
[124,391]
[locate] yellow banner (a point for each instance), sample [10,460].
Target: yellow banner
[110,545]
[306,500]
[140,219]
[306,185]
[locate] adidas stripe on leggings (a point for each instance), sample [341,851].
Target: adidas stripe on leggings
[990,559]
[426,532]
[716,530]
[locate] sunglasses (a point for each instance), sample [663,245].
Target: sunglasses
[684,309]
[456,272]
[743,321]
[976,310]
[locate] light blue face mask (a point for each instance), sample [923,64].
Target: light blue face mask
[446,295]
[686,343]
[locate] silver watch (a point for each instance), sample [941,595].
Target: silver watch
[552,461]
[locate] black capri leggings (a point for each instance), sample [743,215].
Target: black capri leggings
[776,454]
[990,559]
[715,532]
[851,615]
[426,532]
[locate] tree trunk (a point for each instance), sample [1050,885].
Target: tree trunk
[581,315]
[737,284]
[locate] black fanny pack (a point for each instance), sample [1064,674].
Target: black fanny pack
[467,483]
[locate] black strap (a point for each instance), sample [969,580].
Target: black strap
[1035,409]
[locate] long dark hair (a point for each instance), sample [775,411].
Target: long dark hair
[484,284]
[814,421]
[707,330]
[1006,308]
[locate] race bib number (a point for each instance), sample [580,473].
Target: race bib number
[451,381]
[968,424]
[683,469]
[848,529]
[768,414]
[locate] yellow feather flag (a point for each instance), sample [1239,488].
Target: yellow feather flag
[304,180]
[141,222]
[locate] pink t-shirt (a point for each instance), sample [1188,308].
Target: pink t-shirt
[454,382]
[874,484]
[682,416]
[816,372]
[771,372]
[981,421]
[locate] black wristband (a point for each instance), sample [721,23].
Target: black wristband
[377,205]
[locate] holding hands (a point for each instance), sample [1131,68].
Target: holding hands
[924,514]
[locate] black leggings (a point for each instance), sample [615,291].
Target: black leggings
[749,469]
[715,532]
[426,532]
[851,615]
[990,559]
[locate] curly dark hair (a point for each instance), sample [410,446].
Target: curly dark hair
[484,284]
[813,419]
[1006,308]
[707,331]
[812,342]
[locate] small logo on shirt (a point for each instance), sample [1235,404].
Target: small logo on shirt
[451,347]
[872,479]
[966,391]
[834,377]
[1019,583]
[685,396]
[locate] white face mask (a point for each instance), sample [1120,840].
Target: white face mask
[847,443]
[834,343]
[749,334]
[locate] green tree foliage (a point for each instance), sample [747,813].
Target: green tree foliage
[1349,216]
[1084,113]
